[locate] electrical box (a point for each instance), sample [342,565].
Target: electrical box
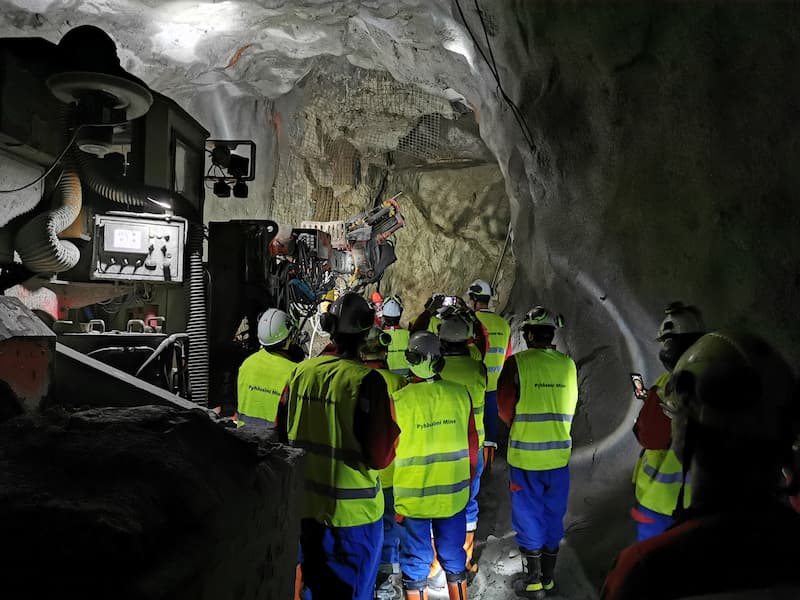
[138,247]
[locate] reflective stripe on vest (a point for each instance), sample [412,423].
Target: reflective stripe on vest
[396,354]
[499,334]
[260,384]
[540,432]
[659,473]
[341,491]
[431,476]
[658,479]
[472,374]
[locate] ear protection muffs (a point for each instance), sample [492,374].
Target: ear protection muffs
[328,320]
[385,339]
[413,357]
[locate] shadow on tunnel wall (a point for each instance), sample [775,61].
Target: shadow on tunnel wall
[662,167]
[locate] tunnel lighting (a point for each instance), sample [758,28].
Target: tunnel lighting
[160,203]
[184,24]
[460,45]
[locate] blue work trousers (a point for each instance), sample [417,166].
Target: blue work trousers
[490,416]
[340,563]
[390,552]
[416,552]
[659,523]
[538,506]
[472,505]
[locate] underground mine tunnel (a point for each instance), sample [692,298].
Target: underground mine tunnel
[171,170]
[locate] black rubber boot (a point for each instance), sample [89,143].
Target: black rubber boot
[532,565]
[548,568]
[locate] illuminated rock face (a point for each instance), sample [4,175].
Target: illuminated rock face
[661,163]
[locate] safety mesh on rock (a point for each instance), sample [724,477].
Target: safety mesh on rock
[351,118]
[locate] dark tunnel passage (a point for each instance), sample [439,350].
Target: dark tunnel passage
[601,160]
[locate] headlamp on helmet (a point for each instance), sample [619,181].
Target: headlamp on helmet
[539,316]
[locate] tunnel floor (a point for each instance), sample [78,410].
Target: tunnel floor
[499,562]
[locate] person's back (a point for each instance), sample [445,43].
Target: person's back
[323,394]
[263,375]
[339,411]
[732,403]
[540,430]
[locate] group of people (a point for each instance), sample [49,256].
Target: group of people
[398,424]
[715,484]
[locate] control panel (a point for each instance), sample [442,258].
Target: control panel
[134,247]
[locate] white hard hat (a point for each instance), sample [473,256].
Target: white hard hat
[479,287]
[680,319]
[540,316]
[392,307]
[734,382]
[273,327]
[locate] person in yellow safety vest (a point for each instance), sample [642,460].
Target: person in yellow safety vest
[734,407]
[396,357]
[373,353]
[264,374]
[455,335]
[436,458]
[498,348]
[537,397]
[658,474]
[339,411]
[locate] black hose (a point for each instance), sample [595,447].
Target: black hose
[123,191]
[197,325]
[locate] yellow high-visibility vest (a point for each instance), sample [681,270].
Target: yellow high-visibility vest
[499,334]
[471,373]
[659,473]
[540,437]
[262,378]
[340,490]
[396,354]
[432,468]
[394,382]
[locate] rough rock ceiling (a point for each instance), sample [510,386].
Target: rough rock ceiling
[261,48]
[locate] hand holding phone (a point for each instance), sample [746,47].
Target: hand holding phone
[639,390]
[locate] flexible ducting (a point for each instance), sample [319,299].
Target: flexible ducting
[103,184]
[37,241]
[197,324]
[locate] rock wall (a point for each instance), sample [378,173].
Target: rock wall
[661,167]
[456,225]
[142,504]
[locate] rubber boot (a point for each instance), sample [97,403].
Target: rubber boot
[457,586]
[469,548]
[416,594]
[532,566]
[548,568]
